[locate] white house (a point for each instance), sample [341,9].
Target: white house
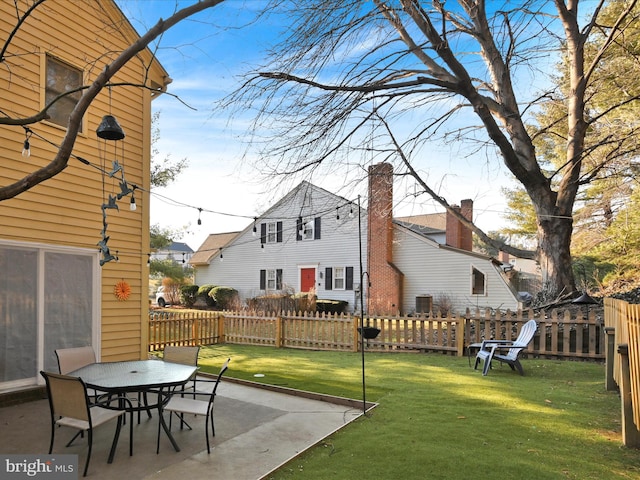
[310,240]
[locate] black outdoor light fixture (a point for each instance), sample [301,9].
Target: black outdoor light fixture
[585,299]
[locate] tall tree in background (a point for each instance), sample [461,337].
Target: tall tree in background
[609,169]
[452,67]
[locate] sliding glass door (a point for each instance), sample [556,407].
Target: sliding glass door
[48,300]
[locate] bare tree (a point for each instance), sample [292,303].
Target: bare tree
[89,92]
[467,69]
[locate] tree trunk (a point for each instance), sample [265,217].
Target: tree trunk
[554,254]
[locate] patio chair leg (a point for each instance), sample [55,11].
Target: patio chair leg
[79,433]
[86,464]
[116,436]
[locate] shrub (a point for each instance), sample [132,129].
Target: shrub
[331,306]
[225,297]
[203,292]
[189,293]
[304,301]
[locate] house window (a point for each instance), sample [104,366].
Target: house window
[271,232]
[338,278]
[61,78]
[48,300]
[308,228]
[271,279]
[478,284]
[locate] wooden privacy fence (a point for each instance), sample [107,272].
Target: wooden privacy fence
[559,335]
[622,325]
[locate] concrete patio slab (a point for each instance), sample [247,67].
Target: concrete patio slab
[257,430]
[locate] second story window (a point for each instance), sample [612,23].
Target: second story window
[61,77]
[271,232]
[308,228]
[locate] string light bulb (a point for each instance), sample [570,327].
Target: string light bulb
[132,206]
[199,220]
[148,259]
[255,229]
[26,147]
[337,213]
[221,256]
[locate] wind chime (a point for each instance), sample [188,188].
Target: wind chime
[110,130]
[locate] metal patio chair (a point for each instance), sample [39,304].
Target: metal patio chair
[70,407]
[182,405]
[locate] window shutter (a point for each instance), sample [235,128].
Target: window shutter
[279,279]
[349,279]
[298,228]
[316,228]
[263,233]
[263,279]
[328,278]
[279,232]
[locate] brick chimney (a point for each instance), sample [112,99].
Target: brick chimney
[386,280]
[457,235]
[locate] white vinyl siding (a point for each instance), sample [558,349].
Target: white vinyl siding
[430,269]
[337,245]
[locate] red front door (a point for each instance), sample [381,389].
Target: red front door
[307,279]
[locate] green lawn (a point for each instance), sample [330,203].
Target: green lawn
[439,419]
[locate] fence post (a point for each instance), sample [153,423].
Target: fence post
[610,353]
[221,334]
[460,329]
[356,339]
[630,433]
[278,331]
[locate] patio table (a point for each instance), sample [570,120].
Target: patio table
[138,376]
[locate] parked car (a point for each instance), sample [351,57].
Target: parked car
[160,297]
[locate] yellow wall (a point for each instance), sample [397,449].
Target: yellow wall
[66,210]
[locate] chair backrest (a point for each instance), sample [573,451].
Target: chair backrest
[183,355]
[70,359]
[67,396]
[524,338]
[224,368]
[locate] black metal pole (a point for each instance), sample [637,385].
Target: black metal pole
[364,390]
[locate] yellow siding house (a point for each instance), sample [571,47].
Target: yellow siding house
[54,292]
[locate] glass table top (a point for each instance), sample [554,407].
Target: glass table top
[134,375]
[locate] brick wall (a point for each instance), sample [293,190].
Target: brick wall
[457,235]
[385,291]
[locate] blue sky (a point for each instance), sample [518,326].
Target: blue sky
[205,57]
